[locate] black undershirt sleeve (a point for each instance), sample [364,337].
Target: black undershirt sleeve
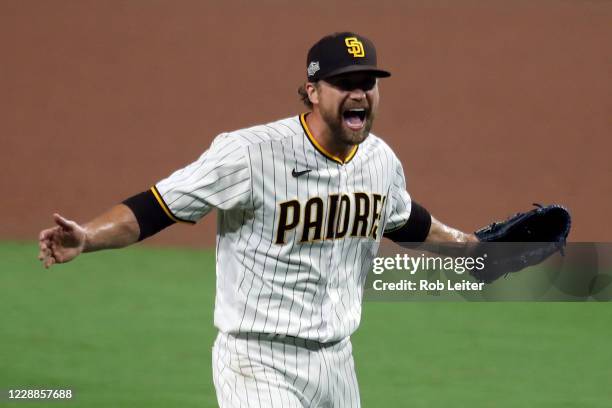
[415,229]
[149,214]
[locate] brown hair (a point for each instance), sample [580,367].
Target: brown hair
[304,95]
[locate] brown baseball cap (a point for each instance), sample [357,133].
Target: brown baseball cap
[340,53]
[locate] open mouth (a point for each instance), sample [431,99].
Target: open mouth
[354,118]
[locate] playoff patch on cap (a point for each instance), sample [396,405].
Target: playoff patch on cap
[341,53]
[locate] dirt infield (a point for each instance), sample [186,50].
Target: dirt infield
[492,105]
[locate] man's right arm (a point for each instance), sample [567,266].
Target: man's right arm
[116,228]
[135,219]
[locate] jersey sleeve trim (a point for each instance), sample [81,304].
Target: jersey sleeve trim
[149,214]
[416,228]
[397,228]
[320,148]
[164,207]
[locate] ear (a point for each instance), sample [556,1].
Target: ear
[313,92]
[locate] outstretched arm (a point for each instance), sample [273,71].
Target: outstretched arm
[115,228]
[421,226]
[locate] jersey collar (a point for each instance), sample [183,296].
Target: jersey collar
[320,148]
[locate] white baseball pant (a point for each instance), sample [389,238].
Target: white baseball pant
[262,370]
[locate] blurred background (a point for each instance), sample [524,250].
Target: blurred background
[492,105]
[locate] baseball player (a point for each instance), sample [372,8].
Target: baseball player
[301,204]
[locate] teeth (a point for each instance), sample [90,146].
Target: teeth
[357,110]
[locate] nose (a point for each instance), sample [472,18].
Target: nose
[357,94]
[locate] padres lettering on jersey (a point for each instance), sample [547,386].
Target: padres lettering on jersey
[361,210]
[297,228]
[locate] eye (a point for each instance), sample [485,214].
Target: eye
[368,83]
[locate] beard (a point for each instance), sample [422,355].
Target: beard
[344,134]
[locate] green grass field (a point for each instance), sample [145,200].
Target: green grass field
[133,328]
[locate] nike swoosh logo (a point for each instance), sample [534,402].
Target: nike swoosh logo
[296,173]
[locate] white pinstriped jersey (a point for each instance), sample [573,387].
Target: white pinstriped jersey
[291,223]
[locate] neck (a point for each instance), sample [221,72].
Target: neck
[320,131]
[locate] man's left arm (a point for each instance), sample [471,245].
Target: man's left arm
[440,232]
[421,226]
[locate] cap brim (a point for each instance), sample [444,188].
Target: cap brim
[379,73]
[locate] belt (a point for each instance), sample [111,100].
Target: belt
[290,340]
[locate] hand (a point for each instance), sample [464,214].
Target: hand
[61,243]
